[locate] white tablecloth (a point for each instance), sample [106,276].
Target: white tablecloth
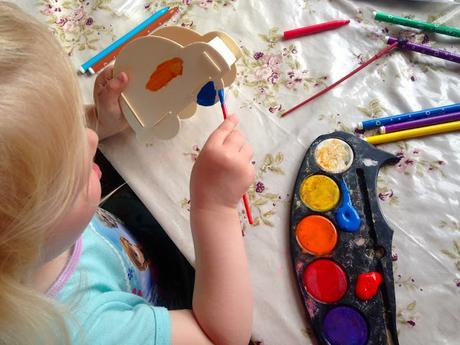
[419,196]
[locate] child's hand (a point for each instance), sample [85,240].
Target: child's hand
[107,90]
[223,170]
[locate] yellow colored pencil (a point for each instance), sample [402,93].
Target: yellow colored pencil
[414,133]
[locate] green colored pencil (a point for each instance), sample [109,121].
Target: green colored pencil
[440,29]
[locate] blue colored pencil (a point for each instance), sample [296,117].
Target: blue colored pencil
[415,115]
[123,39]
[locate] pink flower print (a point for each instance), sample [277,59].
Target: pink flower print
[274,109]
[260,91]
[293,80]
[258,55]
[273,78]
[206,3]
[260,187]
[49,9]
[274,61]
[89,21]
[195,152]
[385,196]
[69,26]
[137,292]
[262,73]
[187,2]
[62,21]
[79,14]
[405,162]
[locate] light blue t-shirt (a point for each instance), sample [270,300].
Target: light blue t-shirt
[109,287]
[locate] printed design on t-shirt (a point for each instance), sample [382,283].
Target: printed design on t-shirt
[134,253]
[138,274]
[137,292]
[107,218]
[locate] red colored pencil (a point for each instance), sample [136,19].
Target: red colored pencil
[313,29]
[110,57]
[356,70]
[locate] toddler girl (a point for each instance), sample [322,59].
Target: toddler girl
[70,273]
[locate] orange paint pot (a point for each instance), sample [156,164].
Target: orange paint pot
[316,234]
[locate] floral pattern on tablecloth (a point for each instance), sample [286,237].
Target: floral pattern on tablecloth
[262,199]
[73,22]
[270,68]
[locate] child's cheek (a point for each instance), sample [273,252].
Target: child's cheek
[94,192]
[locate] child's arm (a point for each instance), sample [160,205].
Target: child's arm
[222,299]
[105,116]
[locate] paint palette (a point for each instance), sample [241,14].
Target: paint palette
[341,244]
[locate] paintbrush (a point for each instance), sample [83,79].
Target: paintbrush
[220,93]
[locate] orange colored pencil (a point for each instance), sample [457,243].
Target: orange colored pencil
[110,57]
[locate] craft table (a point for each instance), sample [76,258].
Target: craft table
[419,196]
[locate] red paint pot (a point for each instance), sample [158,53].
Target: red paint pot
[325,281]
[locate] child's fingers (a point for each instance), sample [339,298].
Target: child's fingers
[235,140]
[247,151]
[103,77]
[224,130]
[107,73]
[118,84]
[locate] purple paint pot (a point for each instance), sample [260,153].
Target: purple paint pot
[345,326]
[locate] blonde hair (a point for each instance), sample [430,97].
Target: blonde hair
[43,153]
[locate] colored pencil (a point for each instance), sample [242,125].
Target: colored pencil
[220,93]
[110,57]
[431,27]
[424,49]
[356,70]
[123,39]
[414,133]
[414,115]
[313,29]
[420,123]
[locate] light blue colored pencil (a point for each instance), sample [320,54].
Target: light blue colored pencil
[123,39]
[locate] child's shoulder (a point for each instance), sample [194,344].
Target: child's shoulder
[112,285]
[111,260]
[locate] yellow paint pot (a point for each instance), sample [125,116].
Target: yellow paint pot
[319,193]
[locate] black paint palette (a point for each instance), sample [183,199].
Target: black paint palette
[341,244]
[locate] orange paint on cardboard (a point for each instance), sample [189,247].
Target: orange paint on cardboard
[164,73]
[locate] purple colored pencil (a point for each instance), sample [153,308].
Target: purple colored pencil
[424,49]
[420,123]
